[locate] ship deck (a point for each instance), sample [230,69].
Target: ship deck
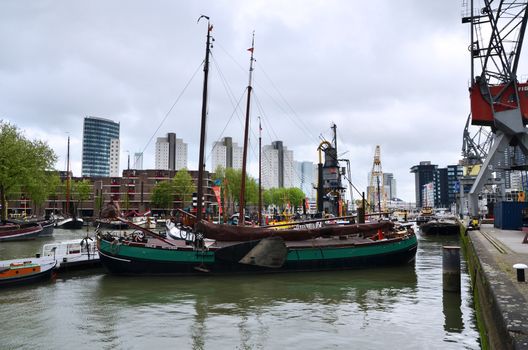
[310,243]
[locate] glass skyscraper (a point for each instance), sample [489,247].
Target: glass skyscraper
[100,147]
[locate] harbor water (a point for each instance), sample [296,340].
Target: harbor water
[396,307]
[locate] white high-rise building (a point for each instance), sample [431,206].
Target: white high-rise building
[181,155]
[161,160]
[114,157]
[171,153]
[270,167]
[289,170]
[277,166]
[226,154]
[138,161]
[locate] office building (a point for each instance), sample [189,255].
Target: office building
[389,182]
[100,150]
[454,174]
[442,184]
[424,173]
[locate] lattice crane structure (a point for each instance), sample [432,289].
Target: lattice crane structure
[498,100]
[476,142]
[376,190]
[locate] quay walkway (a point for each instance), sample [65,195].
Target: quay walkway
[501,301]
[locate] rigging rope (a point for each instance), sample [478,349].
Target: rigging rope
[172,107]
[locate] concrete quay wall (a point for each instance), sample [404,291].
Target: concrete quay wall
[500,301]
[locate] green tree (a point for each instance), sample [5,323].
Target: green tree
[183,186]
[276,196]
[98,203]
[23,162]
[266,198]
[282,196]
[54,184]
[39,192]
[81,191]
[295,196]
[233,183]
[162,194]
[251,191]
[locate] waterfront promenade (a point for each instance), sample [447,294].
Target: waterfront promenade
[501,301]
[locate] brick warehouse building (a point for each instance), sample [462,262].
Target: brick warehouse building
[136,184]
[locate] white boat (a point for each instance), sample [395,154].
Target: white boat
[70,223]
[69,255]
[73,253]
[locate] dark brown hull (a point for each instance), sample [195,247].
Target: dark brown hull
[12,232]
[230,233]
[435,227]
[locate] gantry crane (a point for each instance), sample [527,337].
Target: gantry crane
[498,100]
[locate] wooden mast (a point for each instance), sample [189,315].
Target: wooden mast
[201,165]
[68,179]
[260,177]
[241,216]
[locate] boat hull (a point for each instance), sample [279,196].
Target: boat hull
[47,228]
[440,228]
[133,260]
[20,233]
[71,224]
[28,278]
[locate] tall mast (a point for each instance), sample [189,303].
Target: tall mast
[68,179]
[201,165]
[246,136]
[260,176]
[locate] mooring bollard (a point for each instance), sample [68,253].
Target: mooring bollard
[520,271]
[451,268]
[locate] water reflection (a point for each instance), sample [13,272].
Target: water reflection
[249,302]
[452,308]
[224,294]
[456,322]
[367,309]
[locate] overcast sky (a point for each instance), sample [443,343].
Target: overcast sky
[388,73]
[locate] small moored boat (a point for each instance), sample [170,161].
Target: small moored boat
[72,223]
[17,273]
[72,254]
[47,224]
[440,226]
[19,232]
